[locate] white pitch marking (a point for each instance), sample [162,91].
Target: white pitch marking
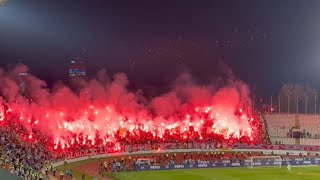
[198,174]
[128,176]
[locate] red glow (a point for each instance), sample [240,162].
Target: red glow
[110,114]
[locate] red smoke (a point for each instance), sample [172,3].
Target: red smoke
[103,110]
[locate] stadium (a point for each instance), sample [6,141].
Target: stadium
[217,90]
[221,135]
[213,161]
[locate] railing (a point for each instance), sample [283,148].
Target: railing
[99,152]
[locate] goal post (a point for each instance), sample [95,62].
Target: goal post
[264,161]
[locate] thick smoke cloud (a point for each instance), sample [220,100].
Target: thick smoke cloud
[106,105]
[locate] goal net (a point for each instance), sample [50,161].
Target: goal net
[264,161]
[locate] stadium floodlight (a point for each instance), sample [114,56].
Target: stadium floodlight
[2,2]
[263,161]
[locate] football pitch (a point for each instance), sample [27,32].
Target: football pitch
[301,173]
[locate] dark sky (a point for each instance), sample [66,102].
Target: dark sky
[265,43]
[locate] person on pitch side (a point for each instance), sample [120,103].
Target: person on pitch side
[289,168]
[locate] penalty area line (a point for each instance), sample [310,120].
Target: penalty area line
[128,176]
[198,174]
[311,165]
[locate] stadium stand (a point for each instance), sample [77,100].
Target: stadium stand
[279,125]
[27,161]
[310,126]
[299,129]
[24,159]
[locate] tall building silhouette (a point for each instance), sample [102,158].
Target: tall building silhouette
[22,81]
[77,67]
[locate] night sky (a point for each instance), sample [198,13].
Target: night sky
[265,43]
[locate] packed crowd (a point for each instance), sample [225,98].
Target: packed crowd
[28,153]
[26,159]
[22,159]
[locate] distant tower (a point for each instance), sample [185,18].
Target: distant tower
[22,82]
[77,67]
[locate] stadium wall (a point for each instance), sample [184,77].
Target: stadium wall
[269,151]
[237,163]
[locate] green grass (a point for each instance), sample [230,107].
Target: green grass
[298,173]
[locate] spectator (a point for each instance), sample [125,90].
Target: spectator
[61,175]
[25,159]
